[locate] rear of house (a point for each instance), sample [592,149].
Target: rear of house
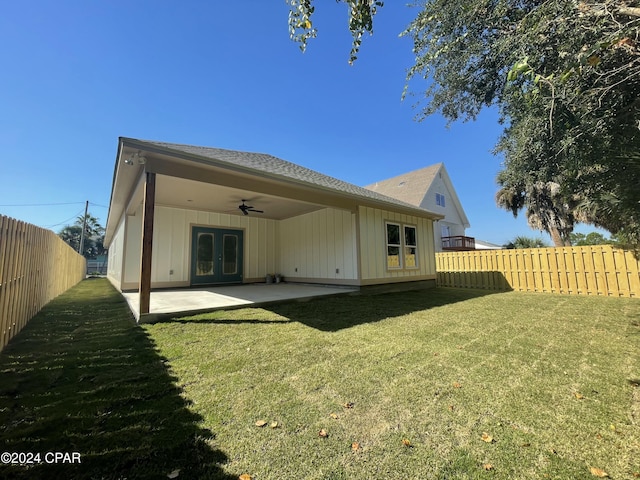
[180,217]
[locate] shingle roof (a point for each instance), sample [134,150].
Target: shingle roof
[409,187]
[262,164]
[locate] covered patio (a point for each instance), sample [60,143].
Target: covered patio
[189,301]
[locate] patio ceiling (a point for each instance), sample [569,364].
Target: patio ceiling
[191,194]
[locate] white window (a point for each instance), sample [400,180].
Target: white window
[440,199]
[393,245]
[402,246]
[410,247]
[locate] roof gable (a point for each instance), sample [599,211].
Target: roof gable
[413,187]
[409,187]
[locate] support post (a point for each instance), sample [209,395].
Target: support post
[148,207]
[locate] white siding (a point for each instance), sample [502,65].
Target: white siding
[452,217]
[116,255]
[319,245]
[132,247]
[373,246]
[172,244]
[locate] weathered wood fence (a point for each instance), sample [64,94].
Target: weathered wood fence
[592,270]
[35,267]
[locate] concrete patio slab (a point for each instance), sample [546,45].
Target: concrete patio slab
[172,302]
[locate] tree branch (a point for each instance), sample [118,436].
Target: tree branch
[629,11]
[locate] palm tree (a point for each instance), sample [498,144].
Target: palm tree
[93,227]
[525,242]
[546,208]
[93,236]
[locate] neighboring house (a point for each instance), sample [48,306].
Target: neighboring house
[175,221]
[483,245]
[430,188]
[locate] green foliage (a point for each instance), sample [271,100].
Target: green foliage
[525,242]
[566,78]
[361,15]
[592,238]
[93,239]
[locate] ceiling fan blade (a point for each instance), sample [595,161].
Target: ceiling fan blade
[248,208]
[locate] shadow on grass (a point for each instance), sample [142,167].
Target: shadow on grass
[81,377]
[343,311]
[337,313]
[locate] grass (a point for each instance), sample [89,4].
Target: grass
[81,377]
[554,381]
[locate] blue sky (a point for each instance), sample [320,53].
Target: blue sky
[77,75]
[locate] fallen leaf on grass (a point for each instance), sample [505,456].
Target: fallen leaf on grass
[487,466]
[273,424]
[348,405]
[261,423]
[244,476]
[486,437]
[578,395]
[597,472]
[355,446]
[451,407]
[334,416]
[457,385]
[406,442]
[323,433]
[174,474]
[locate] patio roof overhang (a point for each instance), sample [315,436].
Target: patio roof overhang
[191,181]
[152,173]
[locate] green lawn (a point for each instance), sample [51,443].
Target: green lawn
[478,385]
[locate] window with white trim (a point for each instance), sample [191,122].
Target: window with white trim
[394,246]
[410,247]
[402,246]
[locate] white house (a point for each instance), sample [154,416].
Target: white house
[430,188]
[185,216]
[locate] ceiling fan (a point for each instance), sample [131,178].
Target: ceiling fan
[248,208]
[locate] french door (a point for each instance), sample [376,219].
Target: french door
[216,255]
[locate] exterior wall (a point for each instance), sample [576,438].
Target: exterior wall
[132,249]
[373,246]
[319,247]
[171,252]
[451,215]
[116,256]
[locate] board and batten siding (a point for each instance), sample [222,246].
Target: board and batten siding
[319,246]
[172,245]
[373,246]
[116,255]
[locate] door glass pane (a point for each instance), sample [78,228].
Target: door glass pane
[230,254]
[204,254]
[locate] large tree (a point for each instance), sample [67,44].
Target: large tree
[565,75]
[93,237]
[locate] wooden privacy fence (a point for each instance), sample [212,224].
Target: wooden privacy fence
[591,270]
[35,267]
